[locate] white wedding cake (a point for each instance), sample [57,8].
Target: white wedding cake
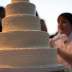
[22,43]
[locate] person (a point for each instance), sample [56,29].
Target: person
[37,14]
[42,23]
[63,40]
[2,15]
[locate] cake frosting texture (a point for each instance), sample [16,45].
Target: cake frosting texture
[23,39]
[21,22]
[27,57]
[21,8]
[22,43]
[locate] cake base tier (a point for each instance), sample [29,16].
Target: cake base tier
[47,68]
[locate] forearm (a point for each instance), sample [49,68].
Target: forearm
[65,55]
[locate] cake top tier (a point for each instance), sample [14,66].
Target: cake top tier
[13,1]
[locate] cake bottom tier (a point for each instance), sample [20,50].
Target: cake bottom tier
[45,68]
[27,57]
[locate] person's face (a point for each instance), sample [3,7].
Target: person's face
[64,26]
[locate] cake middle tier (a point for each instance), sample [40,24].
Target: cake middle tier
[21,39]
[21,22]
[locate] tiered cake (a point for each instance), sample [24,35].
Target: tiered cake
[22,43]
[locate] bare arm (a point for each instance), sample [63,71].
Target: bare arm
[65,55]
